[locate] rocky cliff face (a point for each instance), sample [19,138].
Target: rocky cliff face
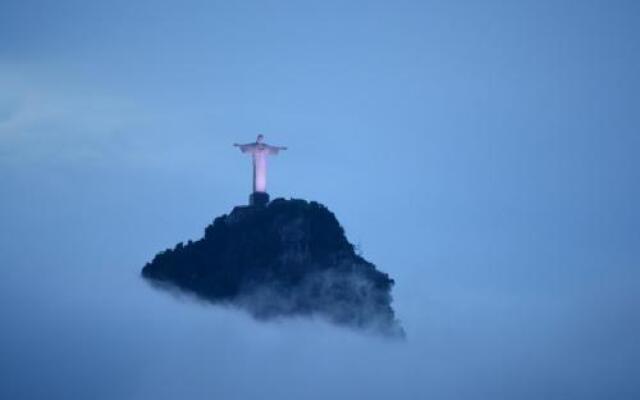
[286,259]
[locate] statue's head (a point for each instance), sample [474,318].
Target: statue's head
[260,138]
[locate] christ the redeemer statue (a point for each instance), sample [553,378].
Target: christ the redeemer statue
[259,152]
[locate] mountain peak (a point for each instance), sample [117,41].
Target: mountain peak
[287,258]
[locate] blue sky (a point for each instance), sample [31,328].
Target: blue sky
[485,154]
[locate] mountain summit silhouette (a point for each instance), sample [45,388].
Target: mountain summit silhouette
[286,258]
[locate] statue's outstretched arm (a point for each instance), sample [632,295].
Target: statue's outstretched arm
[273,150]
[245,147]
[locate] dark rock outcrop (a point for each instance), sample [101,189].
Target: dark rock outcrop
[288,258]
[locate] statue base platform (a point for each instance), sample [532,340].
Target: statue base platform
[259,199]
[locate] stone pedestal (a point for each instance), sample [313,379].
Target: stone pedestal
[259,199]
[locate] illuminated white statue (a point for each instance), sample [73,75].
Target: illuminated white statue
[259,152]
